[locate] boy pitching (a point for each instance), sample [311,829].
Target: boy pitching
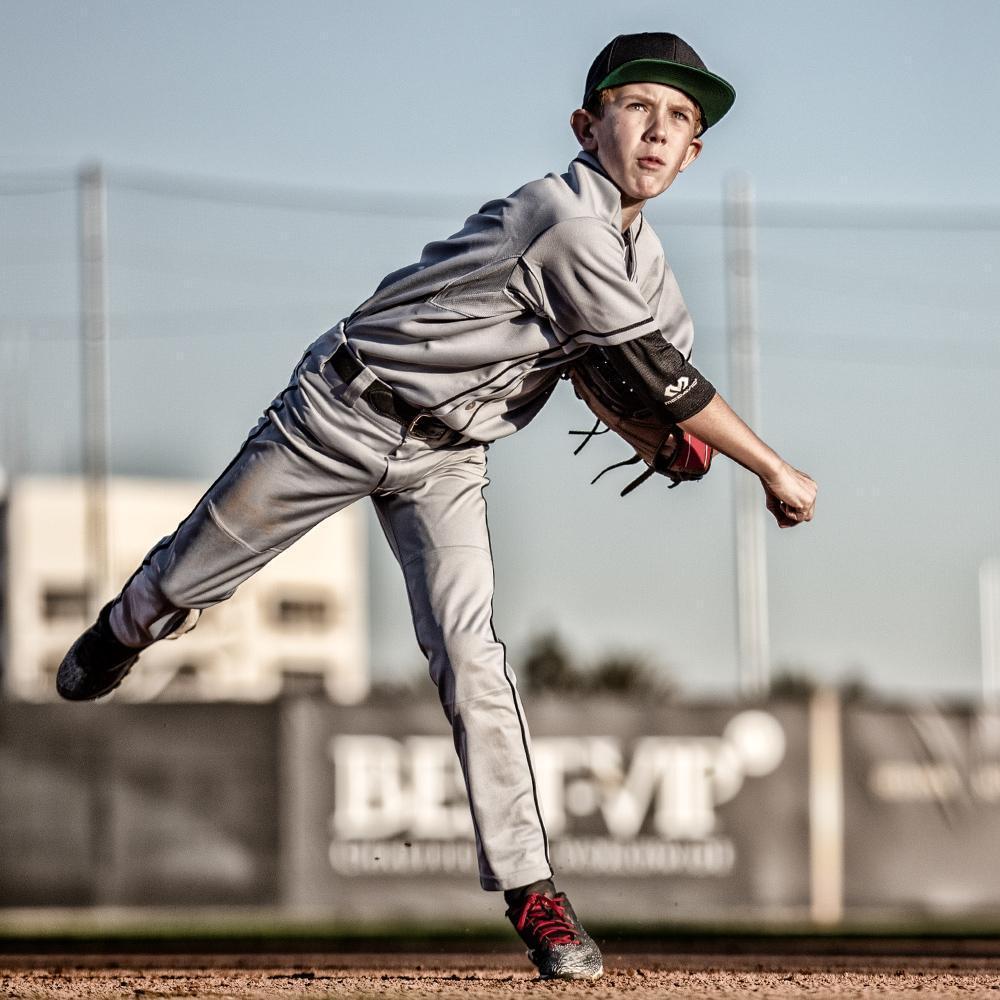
[399,401]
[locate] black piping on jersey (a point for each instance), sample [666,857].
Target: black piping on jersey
[278,403]
[516,364]
[513,690]
[630,257]
[501,389]
[559,348]
[514,381]
[542,354]
[613,333]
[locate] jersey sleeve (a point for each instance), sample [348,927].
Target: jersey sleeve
[661,376]
[574,274]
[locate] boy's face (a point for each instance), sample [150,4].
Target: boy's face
[644,139]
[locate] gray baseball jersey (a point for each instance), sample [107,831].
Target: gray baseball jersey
[479,328]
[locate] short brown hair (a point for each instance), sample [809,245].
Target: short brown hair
[596,101]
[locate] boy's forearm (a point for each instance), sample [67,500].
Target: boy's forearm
[718,425]
[791,494]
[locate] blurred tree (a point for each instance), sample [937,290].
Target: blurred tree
[796,681]
[854,689]
[547,666]
[792,681]
[629,675]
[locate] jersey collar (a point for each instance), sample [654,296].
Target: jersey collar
[612,194]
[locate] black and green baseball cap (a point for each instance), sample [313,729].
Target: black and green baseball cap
[659,57]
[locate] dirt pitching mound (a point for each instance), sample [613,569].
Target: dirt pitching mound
[472,977]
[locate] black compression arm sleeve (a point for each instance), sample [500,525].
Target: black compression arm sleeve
[663,378]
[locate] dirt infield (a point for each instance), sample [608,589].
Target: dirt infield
[346,977]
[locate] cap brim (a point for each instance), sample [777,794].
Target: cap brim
[713,94]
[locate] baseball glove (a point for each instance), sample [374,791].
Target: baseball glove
[660,444]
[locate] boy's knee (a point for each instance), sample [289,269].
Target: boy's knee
[203,565]
[185,591]
[465,663]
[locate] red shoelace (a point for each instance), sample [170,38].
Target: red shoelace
[547,919]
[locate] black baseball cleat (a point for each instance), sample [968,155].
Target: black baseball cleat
[96,663]
[557,944]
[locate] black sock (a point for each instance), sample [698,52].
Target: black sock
[516,897]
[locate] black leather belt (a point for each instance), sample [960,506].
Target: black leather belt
[380,397]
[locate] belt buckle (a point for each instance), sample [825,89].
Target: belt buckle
[411,427]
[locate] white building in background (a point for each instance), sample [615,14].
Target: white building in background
[302,620]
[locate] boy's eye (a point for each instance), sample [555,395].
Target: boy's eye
[638,104]
[681,115]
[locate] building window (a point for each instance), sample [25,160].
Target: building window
[302,611]
[302,679]
[64,603]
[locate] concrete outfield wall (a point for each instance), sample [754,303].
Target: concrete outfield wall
[138,805]
[679,812]
[922,809]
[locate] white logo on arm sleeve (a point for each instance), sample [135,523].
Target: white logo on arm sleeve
[681,386]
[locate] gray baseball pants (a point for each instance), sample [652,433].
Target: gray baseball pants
[318,448]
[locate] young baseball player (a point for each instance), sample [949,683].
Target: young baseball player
[399,401]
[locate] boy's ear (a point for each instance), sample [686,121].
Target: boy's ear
[694,148]
[581,122]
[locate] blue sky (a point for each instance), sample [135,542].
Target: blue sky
[879,348]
